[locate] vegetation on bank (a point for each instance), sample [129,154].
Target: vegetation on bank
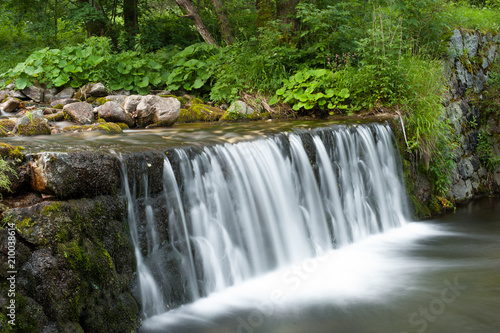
[309,57]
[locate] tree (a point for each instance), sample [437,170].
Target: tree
[131,17]
[193,14]
[220,11]
[285,10]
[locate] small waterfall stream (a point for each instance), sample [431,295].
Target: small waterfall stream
[237,211]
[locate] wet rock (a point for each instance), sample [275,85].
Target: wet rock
[3,95]
[70,175]
[18,94]
[10,105]
[63,94]
[108,128]
[60,103]
[113,112]
[58,116]
[479,82]
[200,112]
[423,187]
[80,112]
[33,123]
[454,114]
[34,92]
[157,111]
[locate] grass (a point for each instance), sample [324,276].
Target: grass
[463,15]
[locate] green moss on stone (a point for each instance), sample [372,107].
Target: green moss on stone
[58,106]
[55,117]
[36,127]
[10,151]
[101,100]
[109,128]
[123,126]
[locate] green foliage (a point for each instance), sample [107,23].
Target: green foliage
[463,15]
[485,149]
[5,169]
[317,88]
[191,68]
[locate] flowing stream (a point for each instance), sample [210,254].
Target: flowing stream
[303,231]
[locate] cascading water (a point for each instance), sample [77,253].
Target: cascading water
[236,211]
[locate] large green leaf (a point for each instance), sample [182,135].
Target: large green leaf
[62,79]
[198,83]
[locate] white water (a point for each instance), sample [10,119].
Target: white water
[237,211]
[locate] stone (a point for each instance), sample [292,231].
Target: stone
[10,105]
[58,116]
[485,63]
[465,168]
[471,141]
[157,111]
[131,102]
[491,54]
[112,111]
[35,93]
[423,187]
[120,99]
[479,82]
[98,90]
[461,190]
[471,44]
[476,163]
[454,114]
[69,175]
[240,107]
[120,92]
[108,128]
[475,181]
[18,94]
[33,123]
[91,90]
[456,47]
[460,71]
[63,102]
[48,94]
[63,94]
[3,95]
[81,112]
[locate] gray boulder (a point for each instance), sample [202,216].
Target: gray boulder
[113,112]
[131,102]
[63,94]
[120,99]
[80,112]
[34,92]
[64,102]
[157,111]
[240,107]
[48,94]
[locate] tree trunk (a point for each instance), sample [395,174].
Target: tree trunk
[220,11]
[285,9]
[200,26]
[130,17]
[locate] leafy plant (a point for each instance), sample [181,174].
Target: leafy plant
[485,149]
[191,67]
[313,88]
[5,169]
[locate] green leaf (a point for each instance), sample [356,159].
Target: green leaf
[22,82]
[61,79]
[144,82]
[274,100]
[198,83]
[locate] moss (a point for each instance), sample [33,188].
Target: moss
[55,117]
[109,128]
[100,120]
[36,127]
[54,207]
[91,100]
[13,152]
[58,106]
[7,124]
[197,101]
[72,128]
[101,100]
[123,126]
[200,112]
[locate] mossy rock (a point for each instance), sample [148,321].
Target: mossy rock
[58,106]
[91,100]
[200,112]
[6,127]
[13,152]
[59,116]
[123,126]
[109,128]
[37,127]
[197,100]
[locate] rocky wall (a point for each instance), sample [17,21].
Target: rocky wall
[472,109]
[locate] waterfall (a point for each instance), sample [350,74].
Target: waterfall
[236,211]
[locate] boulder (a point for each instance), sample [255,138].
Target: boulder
[18,94]
[48,94]
[157,111]
[33,123]
[3,95]
[35,93]
[131,102]
[60,103]
[80,112]
[240,107]
[120,99]
[91,90]
[112,111]
[63,94]
[471,44]
[10,105]
[69,175]
[456,47]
